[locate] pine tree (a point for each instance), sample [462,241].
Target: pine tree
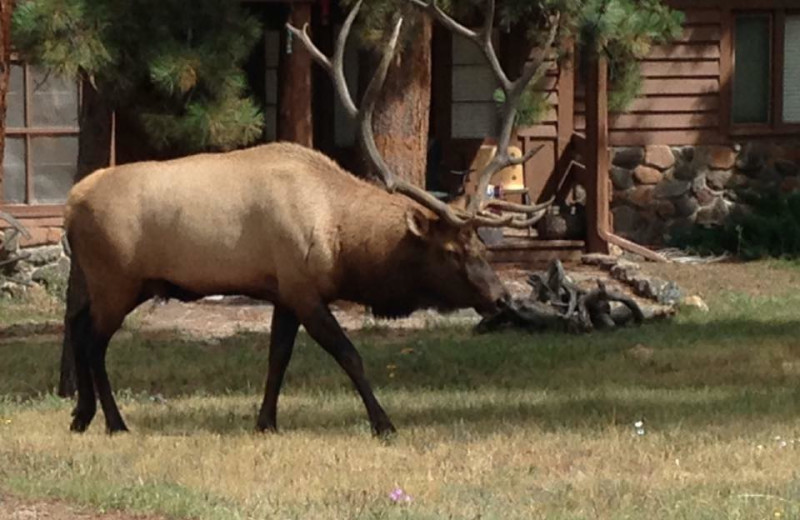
[177,66]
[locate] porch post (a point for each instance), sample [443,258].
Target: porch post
[295,96]
[597,190]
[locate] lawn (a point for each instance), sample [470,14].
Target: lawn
[502,426]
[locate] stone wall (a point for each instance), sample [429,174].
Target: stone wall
[657,189]
[45,265]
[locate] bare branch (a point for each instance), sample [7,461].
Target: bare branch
[16,224]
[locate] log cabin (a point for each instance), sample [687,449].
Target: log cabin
[719,107]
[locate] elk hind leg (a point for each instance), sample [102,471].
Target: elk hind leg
[107,319]
[281,344]
[80,338]
[322,326]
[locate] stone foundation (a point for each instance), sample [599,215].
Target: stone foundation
[658,189]
[47,266]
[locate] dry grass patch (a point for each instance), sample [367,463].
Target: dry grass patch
[502,426]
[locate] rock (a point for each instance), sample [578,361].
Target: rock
[685,153]
[640,196]
[685,171]
[647,175]
[621,178]
[714,213]
[705,197]
[719,179]
[720,157]
[628,157]
[659,156]
[670,294]
[685,206]
[670,188]
[664,208]
[626,220]
[737,180]
[12,289]
[605,261]
[751,159]
[786,168]
[699,183]
[625,271]
[53,273]
[40,256]
[695,302]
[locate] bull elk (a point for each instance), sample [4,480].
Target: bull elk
[280,223]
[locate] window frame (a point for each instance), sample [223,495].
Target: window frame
[775,125]
[30,208]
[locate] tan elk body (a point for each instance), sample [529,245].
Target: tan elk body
[277,222]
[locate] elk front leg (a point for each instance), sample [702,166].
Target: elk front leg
[323,327]
[281,343]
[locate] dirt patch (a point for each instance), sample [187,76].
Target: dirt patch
[12,508]
[210,319]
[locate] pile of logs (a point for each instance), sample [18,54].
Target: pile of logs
[557,304]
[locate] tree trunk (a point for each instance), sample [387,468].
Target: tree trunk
[402,114]
[296,95]
[94,151]
[6,7]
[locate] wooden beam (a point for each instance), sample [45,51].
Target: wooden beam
[566,101]
[597,191]
[295,97]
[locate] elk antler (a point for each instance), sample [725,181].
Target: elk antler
[476,214]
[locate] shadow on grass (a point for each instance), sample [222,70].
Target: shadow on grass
[554,412]
[691,371]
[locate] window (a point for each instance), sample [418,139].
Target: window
[766,70]
[474,111]
[41,152]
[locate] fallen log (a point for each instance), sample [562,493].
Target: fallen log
[557,304]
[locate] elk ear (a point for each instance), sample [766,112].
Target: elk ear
[417,223]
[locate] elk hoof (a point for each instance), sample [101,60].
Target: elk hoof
[81,419]
[79,425]
[116,429]
[266,427]
[384,430]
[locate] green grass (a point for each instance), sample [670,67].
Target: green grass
[507,425]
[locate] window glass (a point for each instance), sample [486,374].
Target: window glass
[791,70]
[751,82]
[14,170]
[473,111]
[54,101]
[15,98]
[55,161]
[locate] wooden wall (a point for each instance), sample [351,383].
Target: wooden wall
[680,99]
